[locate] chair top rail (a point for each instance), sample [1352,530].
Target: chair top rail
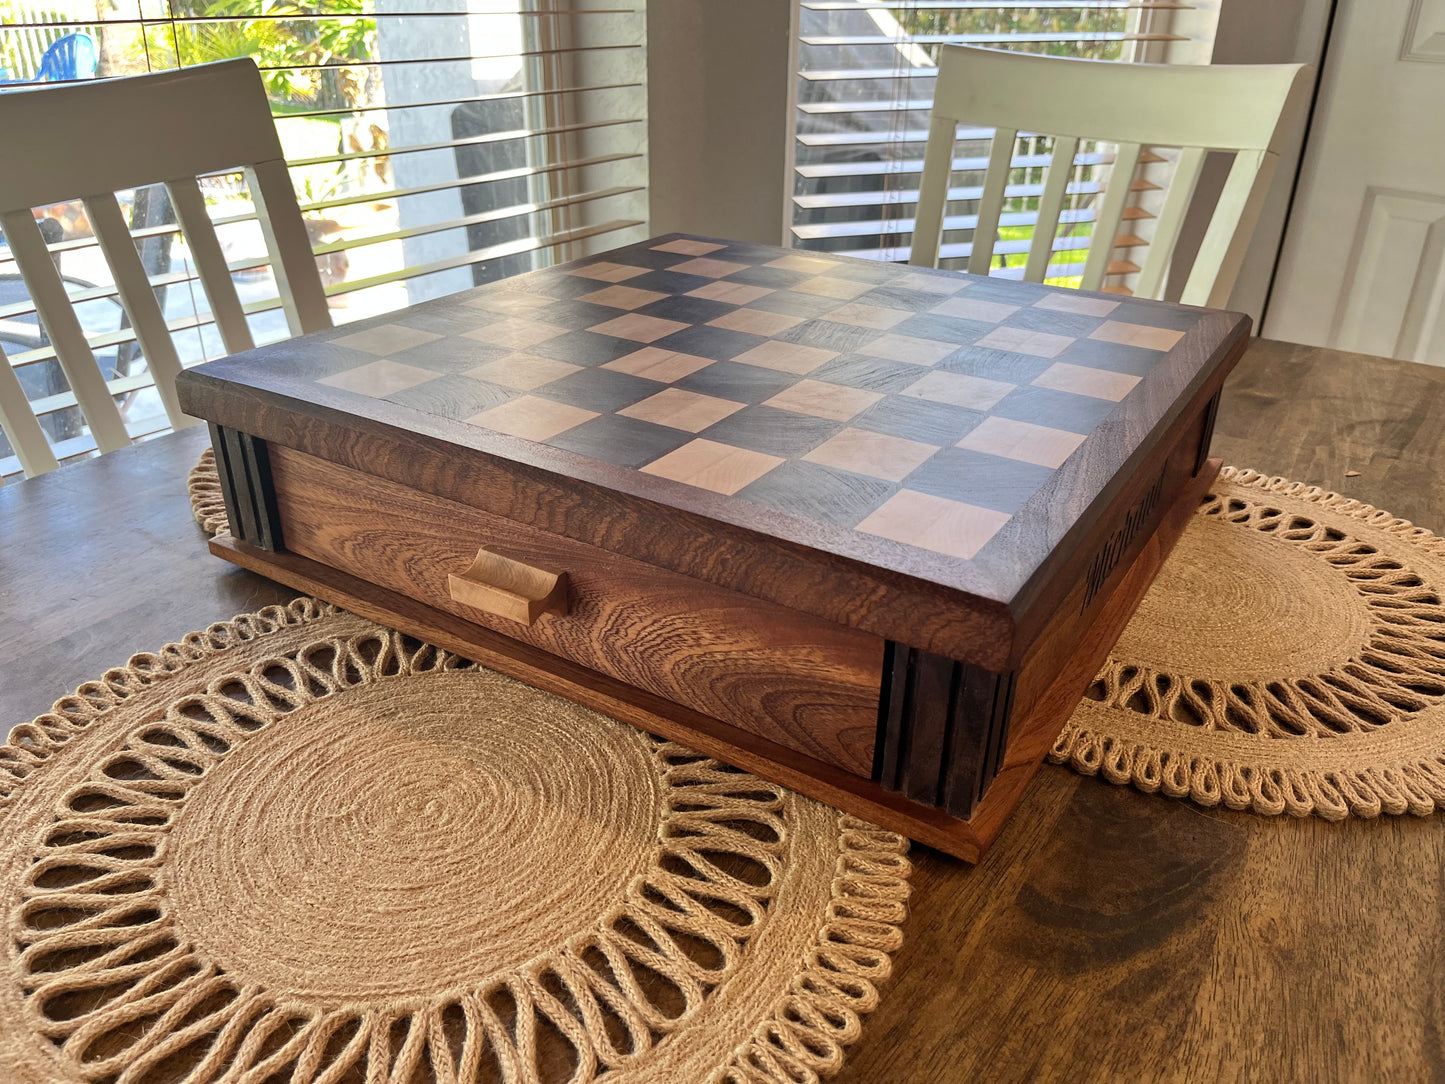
[89,130]
[1220,106]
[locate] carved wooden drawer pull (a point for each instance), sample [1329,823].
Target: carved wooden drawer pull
[508,588]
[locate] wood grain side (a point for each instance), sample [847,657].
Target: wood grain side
[787,676]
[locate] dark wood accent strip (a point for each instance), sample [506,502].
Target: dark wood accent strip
[263,492]
[1211,412]
[998,729]
[925,737]
[976,715]
[891,701]
[229,495]
[244,466]
[944,724]
[240,475]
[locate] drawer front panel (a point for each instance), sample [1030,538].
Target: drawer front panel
[788,677]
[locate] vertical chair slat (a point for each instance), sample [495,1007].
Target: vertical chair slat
[933,192]
[1061,168]
[22,428]
[990,205]
[205,249]
[139,300]
[291,257]
[1221,253]
[1170,221]
[1111,212]
[77,360]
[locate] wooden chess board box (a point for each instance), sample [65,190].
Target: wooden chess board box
[864,529]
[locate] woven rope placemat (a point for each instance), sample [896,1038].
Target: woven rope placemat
[299,846]
[1290,658]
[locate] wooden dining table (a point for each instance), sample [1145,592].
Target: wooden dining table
[1108,934]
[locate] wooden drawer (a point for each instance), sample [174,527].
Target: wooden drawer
[789,677]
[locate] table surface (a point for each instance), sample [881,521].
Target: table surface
[1107,934]
[950,426]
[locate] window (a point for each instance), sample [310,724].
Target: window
[433,145]
[864,88]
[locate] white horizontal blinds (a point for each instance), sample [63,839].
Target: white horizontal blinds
[431,145]
[867,75]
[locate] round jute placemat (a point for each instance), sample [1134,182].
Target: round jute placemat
[1290,658]
[299,846]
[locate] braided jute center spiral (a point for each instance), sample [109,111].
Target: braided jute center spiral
[365,815]
[301,847]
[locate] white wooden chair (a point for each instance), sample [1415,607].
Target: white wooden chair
[1240,108]
[88,141]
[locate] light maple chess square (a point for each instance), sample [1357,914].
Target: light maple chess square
[678,409]
[1151,338]
[877,455]
[684,247]
[810,265]
[532,418]
[509,302]
[707,268]
[608,272]
[930,284]
[907,348]
[386,339]
[1079,306]
[732,293]
[968,308]
[823,400]
[514,332]
[379,379]
[786,357]
[960,390]
[756,321]
[522,371]
[655,363]
[876,317]
[1040,344]
[622,297]
[706,464]
[1037,444]
[1080,380]
[638,328]
[934,523]
[823,286]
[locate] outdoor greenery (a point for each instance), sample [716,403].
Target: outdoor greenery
[1025,21]
[303,52]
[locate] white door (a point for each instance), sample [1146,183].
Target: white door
[1363,263]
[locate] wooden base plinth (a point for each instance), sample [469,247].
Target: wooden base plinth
[1029,740]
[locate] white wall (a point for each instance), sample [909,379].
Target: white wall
[720,101]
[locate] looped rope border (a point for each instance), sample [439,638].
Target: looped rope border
[1403,768]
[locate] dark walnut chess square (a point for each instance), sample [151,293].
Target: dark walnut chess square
[863,528]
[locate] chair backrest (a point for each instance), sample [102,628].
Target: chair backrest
[88,141]
[1194,109]
[70,56]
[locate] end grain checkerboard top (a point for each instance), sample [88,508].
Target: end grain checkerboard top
[880,403]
